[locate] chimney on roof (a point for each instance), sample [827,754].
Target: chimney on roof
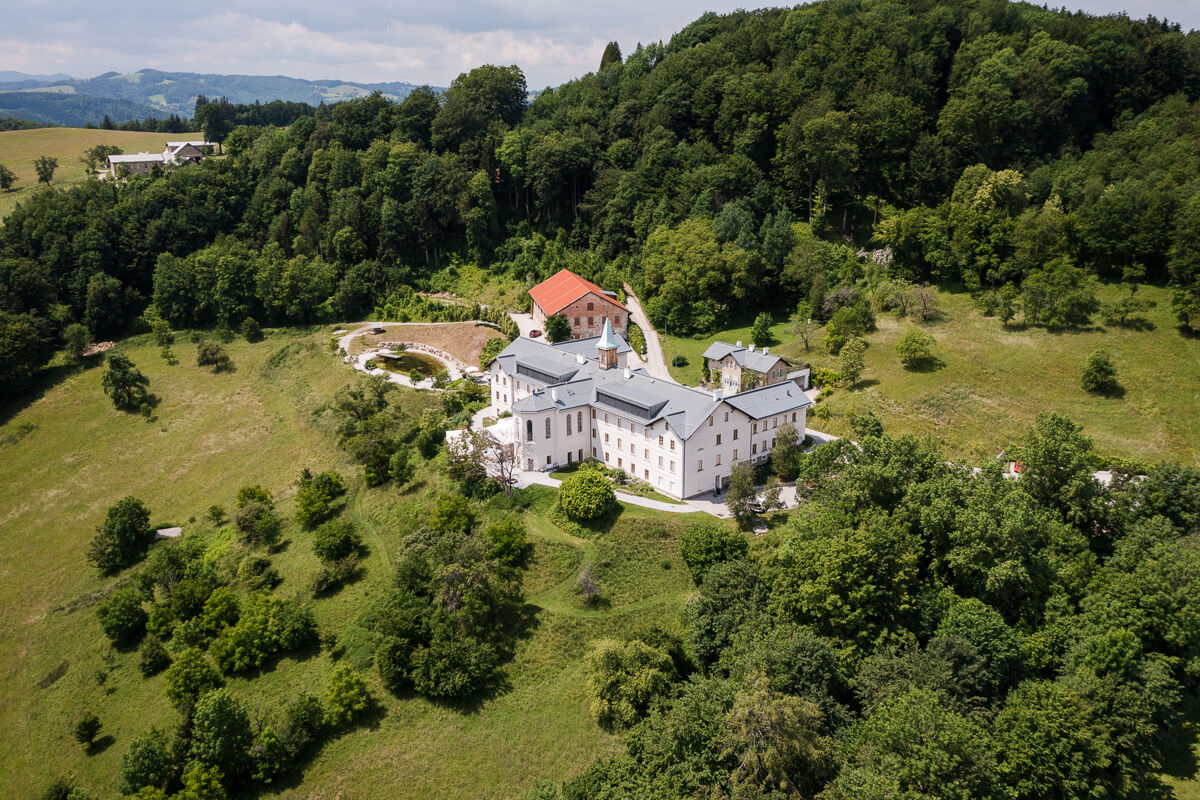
[716,394]
[626,373]
[766,350]
[752,347]
[739,342]
[579,359]
[554,395]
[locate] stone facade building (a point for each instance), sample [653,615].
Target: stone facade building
[586,306]
[737,369]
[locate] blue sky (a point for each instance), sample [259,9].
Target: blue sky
[368,40]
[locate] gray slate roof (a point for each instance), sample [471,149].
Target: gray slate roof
[632,393]
[587,347]
[770,400]
[747,359]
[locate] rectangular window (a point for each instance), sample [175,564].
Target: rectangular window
[581,454]
[660,441]
[710,422]
[632,449]
[593,433]
[606,438]
[547,427]
[593,413]
[646,432]
[568,456]
[793,416]
[606,417]
[754,449]
[646,474]
[735,455]
[772,442]
[591,306]
[579,421]
[672,444]
[700,465]
[727,416]
[754,428]
[593,452]
[620,463]
[735,434]
[607,457]
[576,320]
[672,466]
[660,462]
[620,442]
[529,464]
[591,322]
[547,460]
[718,461]
[718,438]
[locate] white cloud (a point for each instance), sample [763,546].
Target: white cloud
[368,40]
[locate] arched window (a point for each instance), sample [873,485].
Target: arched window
[547,427]
[529,431]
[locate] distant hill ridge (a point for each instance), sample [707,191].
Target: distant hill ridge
[158,93]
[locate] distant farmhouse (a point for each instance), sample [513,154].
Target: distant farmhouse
[586,306]
[578,400]
[175,154]
[739,369]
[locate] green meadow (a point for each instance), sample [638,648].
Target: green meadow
[68,455]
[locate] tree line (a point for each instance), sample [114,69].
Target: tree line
[744,164]
[920,630]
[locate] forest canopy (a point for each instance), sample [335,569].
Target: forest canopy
[984,144]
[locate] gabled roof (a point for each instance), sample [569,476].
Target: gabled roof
[565,287]
[137,158]
[770,400]
[630,392]
[746,358]
[588,347]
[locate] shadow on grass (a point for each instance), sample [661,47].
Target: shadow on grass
[44,380]
[1135,324]
[100,745]
[932,364]
[1179,742]
[370,719]
[1114,392]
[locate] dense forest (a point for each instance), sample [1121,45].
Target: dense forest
[753,161]
[921,631]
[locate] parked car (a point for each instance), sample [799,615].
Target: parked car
[534,334]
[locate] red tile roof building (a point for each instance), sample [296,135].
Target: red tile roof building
[585,305]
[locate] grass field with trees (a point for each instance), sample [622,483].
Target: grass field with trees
[19,149]
[68,456]
[988,382]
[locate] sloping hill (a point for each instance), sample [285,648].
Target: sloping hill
[62,105]
[19,149]
[261,424]
[176,92]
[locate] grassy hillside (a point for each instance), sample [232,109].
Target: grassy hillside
[68,456]
[19,149]
[992,382]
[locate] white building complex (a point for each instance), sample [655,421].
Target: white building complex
[578,400]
